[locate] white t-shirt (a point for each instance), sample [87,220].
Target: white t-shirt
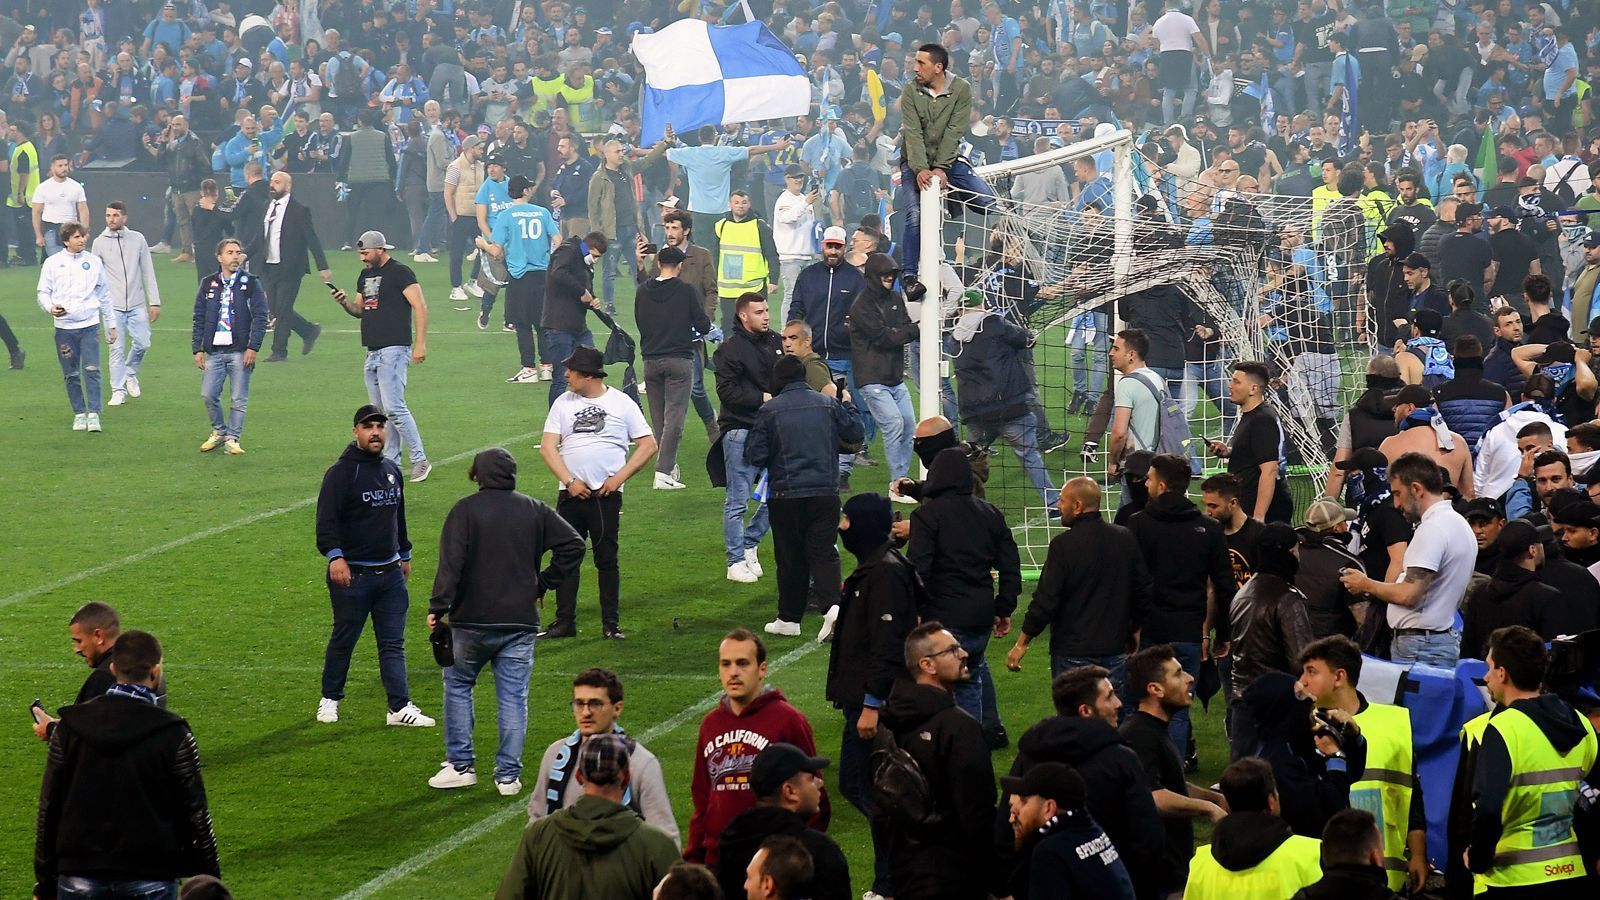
[595,432]
[59,199]
[1175,31]
[1443,544]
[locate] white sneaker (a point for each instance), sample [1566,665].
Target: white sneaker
[162,247]
[410,717]
[80,422]
[783,629]
[898,497]
[825,633]
[472,256]
[741,573]
[665,482]
[93,422]
[327,711]
[117,398]
[873,895]
[524,376]
[547,373]
[473,289]
[131,385]
[509,788]
[420,470]
[753,562]
[458,294]
[449,777]
[424,258]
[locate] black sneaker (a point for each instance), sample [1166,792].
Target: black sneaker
[844,484]
[17,356]
[559,630]
[1051,441]
[615,634]
[998,739]
[278,357]
[483,321]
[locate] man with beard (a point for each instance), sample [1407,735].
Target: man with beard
[1063,850]
[1513,594]
[1388,297]
[288,243]
[1580,535]
[787,783]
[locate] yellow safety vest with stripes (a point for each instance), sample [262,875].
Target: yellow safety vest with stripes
[1387,783]
[1537,844]
[27,150]
[583,112]
[1296,863]
[545,90]
[741,267]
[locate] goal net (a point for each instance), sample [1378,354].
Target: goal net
[1212,273]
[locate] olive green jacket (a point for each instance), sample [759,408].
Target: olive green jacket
[934,125]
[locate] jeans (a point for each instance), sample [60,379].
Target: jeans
[1177,68]
[384,597]
[52,239]
[804,532]
[855,783]
[976,694]
[133,329]
[737,537]
[510,654]
[890,406]
[598,519]
[76,887]
[1116,665]
[697,392]
[1019,433]
[668,380]
[1442,649]
[966,187]
[79,349]
[789,270]
[524,306]
[1316,79]
[947,391]
[621,248]
[220,365]
[1088,348]
[1179,726]
[870,428]
[1206,378]
[386,372]
[451,78]
[433,223]
[415,201]
[558,345]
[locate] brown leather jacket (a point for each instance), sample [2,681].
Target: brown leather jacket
[1270,628]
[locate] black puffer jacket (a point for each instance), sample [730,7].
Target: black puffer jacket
[1178,580]
[956,541]
[953,860]
[1118,795]
[122,797]
[490,550]
[880,327]
[797,437]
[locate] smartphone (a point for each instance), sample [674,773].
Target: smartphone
[37,711]
[651,249]
[840,383]
[332,288]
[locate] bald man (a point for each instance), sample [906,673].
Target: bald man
[931,436]
[288,242]
[1092,610]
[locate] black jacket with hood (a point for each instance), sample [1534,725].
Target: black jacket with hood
[490,550]
[1094,591]
[955,858]
[880,327]
[122,797]
[743,364]
[1371,417]
[1512,596]
[830,873]
[1322,555]
[1178,580]
[878,607]
[1310,789]
[1561,725]
[361,510]
[1388,298]
[1118,796]
[956,541]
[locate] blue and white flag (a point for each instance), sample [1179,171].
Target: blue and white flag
[1269,110]
[1349,132]
[698,74]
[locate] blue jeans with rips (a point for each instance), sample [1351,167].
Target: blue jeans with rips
[229,365]
[79,349]
[1179,726]
[382,596]
[76,887]
[737,537]
[510,654]
[385,371]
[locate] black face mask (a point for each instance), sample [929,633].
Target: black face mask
[870,520]
[928,447]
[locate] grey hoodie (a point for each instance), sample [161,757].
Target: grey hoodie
[130,273]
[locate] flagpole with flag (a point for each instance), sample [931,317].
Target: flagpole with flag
[1488,158]
[698,74]
[1269,112]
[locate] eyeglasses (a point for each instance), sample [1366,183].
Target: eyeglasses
[953,648]
[590,705]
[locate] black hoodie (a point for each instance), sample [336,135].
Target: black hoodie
[954,859]
[1118,796]
[830,878]
[1560,724]
[122,797]
[668,312]
[1179,580]
[361,510]
[880,327]
[1388,298]
[1513,596]
[956,541]
[490,550]
[877,609]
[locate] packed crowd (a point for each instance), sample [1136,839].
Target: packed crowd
[511,138]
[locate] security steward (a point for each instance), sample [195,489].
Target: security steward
[1525,781]
[747,257]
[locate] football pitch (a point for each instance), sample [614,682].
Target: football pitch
[216,556]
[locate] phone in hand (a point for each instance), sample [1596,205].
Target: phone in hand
[37,711]
[332,288]
[840,383]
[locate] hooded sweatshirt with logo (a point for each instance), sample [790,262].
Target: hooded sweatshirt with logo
[593,848]
[361,510]
[725,751]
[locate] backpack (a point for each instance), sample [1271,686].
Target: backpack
[860,192]
[347,81]
[1172,426]
[899,788]
[1563,190]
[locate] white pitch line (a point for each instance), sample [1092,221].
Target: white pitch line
[505,814]
[187,539]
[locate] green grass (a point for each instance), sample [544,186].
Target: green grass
[216,556]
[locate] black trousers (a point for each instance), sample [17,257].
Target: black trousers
[282,285]
[595,518]
[6,334]
[366,205]
[524,307]
[804,530]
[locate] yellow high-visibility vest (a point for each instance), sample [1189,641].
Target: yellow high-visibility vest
[1537,844]
[1387,783]
[24,150]
[741,267]
[1295,864]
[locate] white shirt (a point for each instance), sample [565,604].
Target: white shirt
[76,282]
[59,200]
[1445,545]
[1571,170]
[793,221]
[273,228]
[595,432]
[1175,31]
[1498,458]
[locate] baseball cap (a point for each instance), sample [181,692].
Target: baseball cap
[1137,464]
[496,159]
[778,763]
[893,37]
[794,171]
[1467,210]
[669,202]
[1592,239]
[1503,212]
[245,61]
[1277,536]
[603,759]
[1051,780]
[1582,513]
[471,141]
[1417,261]
[830,116]
[370,413]
[671,256]
[1559,352]
[1324,514]
[1483,508]
[1527,181]
[373,240]
[834,235]
[1428,321]
[1561,499]
[1363,459]
[1414,394]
